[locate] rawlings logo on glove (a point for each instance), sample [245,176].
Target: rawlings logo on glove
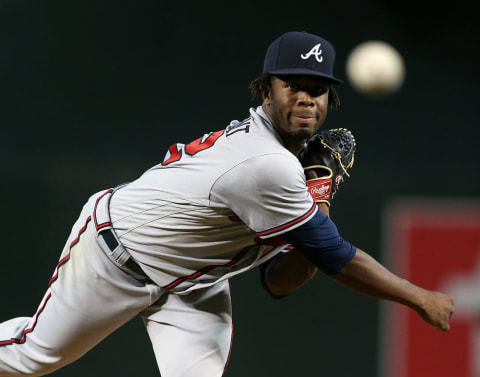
[327,156]
[320,189]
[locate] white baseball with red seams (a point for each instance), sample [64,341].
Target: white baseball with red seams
[211,210]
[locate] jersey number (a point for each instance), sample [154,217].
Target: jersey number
[192,148]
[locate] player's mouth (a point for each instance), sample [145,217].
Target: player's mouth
[303,118]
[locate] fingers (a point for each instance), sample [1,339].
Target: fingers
[444,327]
[449,310]
[311,174]
[438,310]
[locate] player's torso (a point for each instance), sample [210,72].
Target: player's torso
[171,223]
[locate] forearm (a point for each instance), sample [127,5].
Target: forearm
[365,275]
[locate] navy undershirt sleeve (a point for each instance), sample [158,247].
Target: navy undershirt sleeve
[319,240]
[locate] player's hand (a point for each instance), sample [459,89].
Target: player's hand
[437,308]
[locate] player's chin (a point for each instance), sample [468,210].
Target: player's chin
[300,134]
[304,131]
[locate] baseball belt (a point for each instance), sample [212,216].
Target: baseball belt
[112,244]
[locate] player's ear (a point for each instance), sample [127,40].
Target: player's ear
[266,87]
[266,95]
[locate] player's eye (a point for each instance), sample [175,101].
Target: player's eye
[291,85]
[319,90]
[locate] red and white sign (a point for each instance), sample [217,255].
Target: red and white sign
[435,245]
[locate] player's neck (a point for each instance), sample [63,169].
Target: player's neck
[294,147]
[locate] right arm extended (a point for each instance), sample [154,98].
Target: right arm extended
[365,275]
[321,244]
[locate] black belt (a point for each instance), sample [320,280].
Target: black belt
[112,244]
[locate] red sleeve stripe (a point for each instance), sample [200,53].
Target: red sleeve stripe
[290,223]
[287,247]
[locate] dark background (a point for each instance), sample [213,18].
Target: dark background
[92,93]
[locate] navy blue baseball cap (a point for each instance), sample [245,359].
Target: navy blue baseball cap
[301,53]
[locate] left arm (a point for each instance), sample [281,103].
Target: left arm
[326,157]
[286,272]
[289,271]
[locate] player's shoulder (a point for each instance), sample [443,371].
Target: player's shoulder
[260,153]
[254,134]
[273,164]
[264,171]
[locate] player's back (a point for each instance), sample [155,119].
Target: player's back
[189,171]
[170,216]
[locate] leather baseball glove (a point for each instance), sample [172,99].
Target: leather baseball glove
[330,154]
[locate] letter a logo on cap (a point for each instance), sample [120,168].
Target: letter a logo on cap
[314,51]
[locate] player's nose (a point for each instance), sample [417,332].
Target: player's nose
[304,99]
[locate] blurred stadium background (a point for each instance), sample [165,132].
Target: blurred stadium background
[92,93]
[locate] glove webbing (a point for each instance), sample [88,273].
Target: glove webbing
[338,156]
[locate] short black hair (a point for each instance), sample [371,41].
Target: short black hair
[262,84]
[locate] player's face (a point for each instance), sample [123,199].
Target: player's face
[297,106]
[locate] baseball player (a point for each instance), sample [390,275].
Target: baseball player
[165,245]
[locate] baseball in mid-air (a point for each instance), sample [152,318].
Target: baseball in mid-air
[375,68]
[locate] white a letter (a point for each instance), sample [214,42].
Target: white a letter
[314,51]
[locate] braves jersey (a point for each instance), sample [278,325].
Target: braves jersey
[214,207]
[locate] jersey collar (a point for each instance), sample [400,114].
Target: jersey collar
[261,116]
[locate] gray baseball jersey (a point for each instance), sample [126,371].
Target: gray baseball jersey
[213,207]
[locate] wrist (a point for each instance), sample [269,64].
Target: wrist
[417,298]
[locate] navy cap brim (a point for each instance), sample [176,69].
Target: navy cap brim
[306,72]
